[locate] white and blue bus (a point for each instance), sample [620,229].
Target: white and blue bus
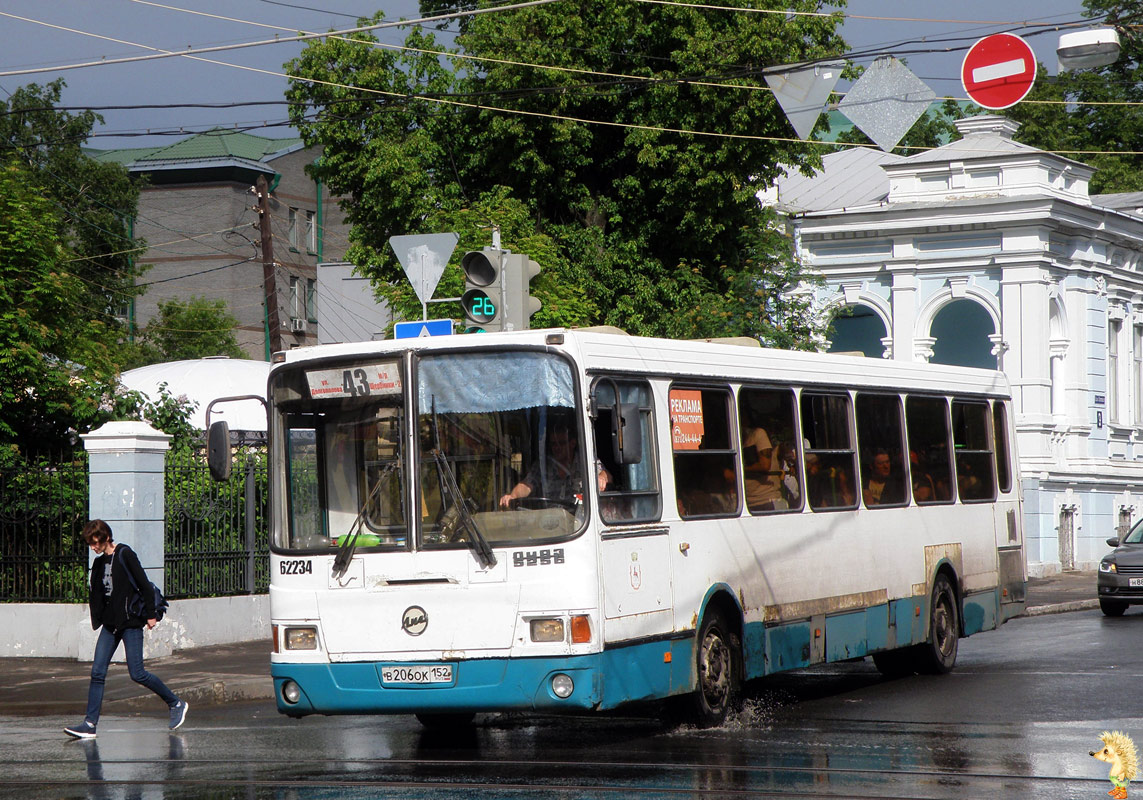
[580,519]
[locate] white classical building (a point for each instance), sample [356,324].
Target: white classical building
[988,252]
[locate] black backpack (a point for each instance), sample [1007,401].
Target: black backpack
[136,607]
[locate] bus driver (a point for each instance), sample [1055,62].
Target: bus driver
[556,477]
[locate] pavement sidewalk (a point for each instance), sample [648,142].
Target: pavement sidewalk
[237,673]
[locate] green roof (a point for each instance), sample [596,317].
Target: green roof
[125,156]
[213,144]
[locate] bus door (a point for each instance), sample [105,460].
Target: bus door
[634,544]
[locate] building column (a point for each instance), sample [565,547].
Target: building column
[904,302]
[127,485]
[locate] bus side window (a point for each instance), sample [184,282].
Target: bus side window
[830,473]
[771,475]
[882,448]
[705,457]
[927,427]
[627,492]
[975,478]
[1000,439]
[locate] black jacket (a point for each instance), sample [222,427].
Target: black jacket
[112,611]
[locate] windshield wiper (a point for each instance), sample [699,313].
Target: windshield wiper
[458,506]
[348,543]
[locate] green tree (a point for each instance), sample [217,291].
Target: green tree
[56,360]
[1097,114]
[186,329]
[93,202]
[645,207]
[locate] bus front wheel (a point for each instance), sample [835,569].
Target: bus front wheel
[446,721]
[938,655]
[717,673]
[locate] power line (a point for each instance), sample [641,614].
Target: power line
[194,52]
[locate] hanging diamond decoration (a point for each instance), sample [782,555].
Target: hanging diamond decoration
[886,101]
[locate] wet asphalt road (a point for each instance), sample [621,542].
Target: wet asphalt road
[1017,718]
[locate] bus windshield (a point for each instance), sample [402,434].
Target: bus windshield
[500,456]
[343,447]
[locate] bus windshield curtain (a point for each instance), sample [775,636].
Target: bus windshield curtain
[473,383]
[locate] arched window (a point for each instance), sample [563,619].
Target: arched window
[961,330]
[858,329]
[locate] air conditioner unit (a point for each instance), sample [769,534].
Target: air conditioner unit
[298,325]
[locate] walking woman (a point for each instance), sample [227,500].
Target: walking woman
[111,592]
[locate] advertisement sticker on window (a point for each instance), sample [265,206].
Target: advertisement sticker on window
[686,418]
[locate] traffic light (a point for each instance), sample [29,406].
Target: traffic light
[483,290]
[519,305]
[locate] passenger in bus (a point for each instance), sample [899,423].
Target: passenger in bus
[968,482]
[845,496]
[829,486]
[788,464]
[883,487]
[762,474]
[923,491]
[556,477]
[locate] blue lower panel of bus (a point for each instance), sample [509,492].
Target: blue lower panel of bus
[855,634]
[981,612]
[635,672]
[621,674]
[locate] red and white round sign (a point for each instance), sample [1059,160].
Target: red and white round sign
[998,71]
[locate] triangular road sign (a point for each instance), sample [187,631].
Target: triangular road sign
[423,258]
[802,91]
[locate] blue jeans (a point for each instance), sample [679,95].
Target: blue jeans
[132,639]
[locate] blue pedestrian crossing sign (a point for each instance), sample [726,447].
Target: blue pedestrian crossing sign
[422,327]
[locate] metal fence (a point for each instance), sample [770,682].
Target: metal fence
[43,507]
[216,532]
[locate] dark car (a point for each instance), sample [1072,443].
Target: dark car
[1120,582]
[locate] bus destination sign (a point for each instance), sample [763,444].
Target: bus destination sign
[362,380]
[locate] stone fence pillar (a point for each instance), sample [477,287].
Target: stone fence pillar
[127,481]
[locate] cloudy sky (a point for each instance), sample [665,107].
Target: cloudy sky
[50,34]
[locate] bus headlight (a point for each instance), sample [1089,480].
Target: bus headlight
[291,692]
[301,638]
[562,686]
[547,630]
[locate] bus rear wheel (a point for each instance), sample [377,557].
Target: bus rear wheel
[938,655]
[717,671]
[896,663]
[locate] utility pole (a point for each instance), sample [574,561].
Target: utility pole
[273,323]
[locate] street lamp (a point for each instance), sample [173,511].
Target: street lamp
[1097,47]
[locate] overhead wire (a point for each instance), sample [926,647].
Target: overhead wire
[673,79]
[501,109]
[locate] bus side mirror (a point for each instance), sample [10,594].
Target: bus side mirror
[626,434]
[218,456]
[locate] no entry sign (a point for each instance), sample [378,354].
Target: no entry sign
[998,71]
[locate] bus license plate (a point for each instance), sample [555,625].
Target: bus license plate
[424,673]
[1135,581]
